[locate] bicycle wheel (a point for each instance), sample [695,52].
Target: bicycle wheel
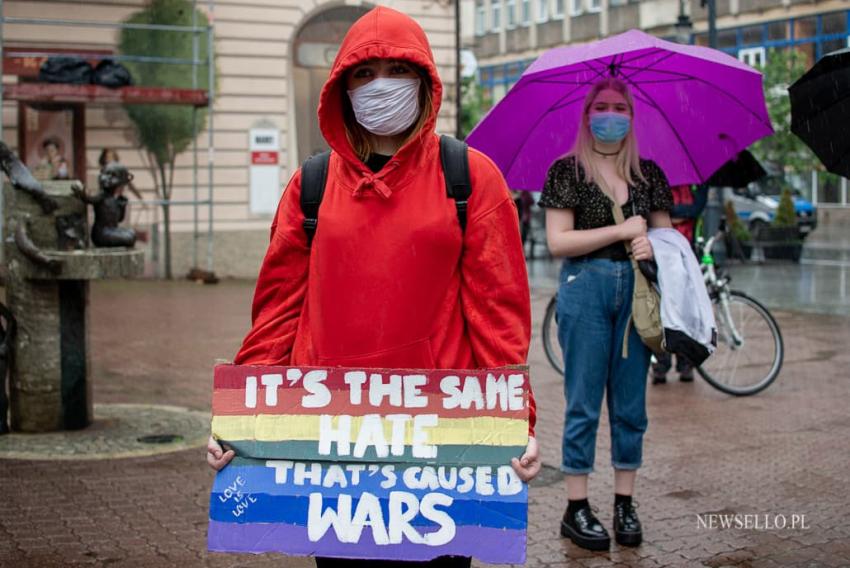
[749,347]
[550,336]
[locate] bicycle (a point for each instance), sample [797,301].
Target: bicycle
[750,349]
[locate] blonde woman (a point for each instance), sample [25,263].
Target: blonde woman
[594,301]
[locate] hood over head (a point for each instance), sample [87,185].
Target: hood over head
[381,33]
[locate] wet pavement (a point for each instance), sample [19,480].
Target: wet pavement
[773,456]
[815,285]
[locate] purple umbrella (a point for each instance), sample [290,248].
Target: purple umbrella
[695,107]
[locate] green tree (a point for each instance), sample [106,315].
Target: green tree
[473,105]
[734,223]
[165,131]
[786,216]
[783,149]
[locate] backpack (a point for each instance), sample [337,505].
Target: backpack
[453,157]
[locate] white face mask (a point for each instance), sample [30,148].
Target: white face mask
[386,106]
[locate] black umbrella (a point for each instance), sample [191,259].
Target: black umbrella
[740,171]
[820,110]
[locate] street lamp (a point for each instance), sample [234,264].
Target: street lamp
[683,25]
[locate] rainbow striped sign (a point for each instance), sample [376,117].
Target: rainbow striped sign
[371,463]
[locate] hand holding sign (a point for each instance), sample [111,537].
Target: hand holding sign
[216,456]
[368,463]
[528,466]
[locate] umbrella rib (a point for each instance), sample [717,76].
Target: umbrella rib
[547,81]
[612,67]
[599,73]
[660,81]
[569,71]
[712,86]
[822,110]
[638,70]
[557,74]
[564,82]
[652,51]
[654,105]
[536,124]
[566,104]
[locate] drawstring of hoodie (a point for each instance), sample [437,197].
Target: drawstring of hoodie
[374,182]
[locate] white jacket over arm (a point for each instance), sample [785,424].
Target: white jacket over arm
[686,312]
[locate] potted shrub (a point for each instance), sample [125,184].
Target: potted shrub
[782,239]
[738,238]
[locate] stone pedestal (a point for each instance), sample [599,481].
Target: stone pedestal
[49,386]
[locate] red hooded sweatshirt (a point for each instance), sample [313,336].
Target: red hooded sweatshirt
[390,279]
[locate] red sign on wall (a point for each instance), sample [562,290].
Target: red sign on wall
[264,158]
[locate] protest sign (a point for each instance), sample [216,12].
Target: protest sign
[366,463]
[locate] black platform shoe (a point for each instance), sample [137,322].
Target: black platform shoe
[627,529]
[585,530]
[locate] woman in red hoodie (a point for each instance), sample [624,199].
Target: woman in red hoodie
[390,279]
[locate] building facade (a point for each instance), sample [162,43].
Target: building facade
[507,35]
[272,58]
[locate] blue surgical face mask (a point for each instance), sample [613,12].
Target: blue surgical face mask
[609,127]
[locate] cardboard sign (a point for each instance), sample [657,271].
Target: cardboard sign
[371,463]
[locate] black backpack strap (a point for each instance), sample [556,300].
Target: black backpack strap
[314,175]
[455,160]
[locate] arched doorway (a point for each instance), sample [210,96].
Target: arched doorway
[313,53]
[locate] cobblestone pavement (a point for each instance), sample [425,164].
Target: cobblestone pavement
[783,452]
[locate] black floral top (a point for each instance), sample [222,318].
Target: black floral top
[566,188]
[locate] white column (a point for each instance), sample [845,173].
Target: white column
[814,187]
[532,38]
[603,19]
[503,40]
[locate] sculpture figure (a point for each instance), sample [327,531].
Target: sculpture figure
[110,206]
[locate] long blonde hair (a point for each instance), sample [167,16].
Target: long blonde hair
[628,159]
[361,139]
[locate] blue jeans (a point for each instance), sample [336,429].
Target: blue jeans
[594,305]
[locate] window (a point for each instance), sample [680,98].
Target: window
[595,6]
[558,12]
[752,35]
[805,27]
[809,52]
[542,10]
[510,15]
[727,39]
[480,16]
[835,23]
[832,45]
[777,31]
[754,57]
[576,7]
[525,16]
[496,15]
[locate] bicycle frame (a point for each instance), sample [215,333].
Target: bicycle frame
[719,287]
